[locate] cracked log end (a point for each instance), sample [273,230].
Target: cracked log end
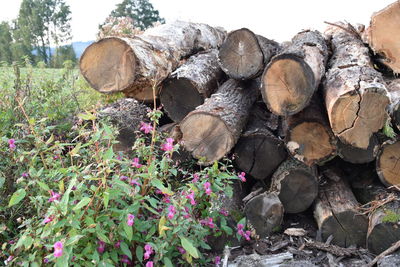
[179,97]
[388,164]
[347,227]
[354,118]
[206,136]
[241,56]
[288,85]
[109,65]
[358,155]
[383,35]
[264,213]
[310,142]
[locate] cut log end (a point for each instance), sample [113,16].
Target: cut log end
[347,228]
[310,142]
[206,136]
[241,56]
[298,191]
[382,236]
[354,118]
[109,65]
[179,97]
[387,164]
[357,155]
[385,26]
[288,85]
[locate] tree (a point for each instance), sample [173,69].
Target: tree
[62,54]
[141,11]
[42,23]
[5,42]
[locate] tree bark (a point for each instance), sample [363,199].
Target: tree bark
[309,137]
[136,65]
[244,54]
[355,94]
[296,185]
[382,35]
[259,152]
[212,130]
[291,78]
[358,155]
[126,114]
[264,213]
[190,84]
[336,214]
[393,87]
[387,163]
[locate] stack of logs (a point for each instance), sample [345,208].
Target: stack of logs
[286,111]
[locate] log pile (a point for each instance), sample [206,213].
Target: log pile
[303,118]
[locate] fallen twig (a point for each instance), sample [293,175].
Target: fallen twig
[390,250]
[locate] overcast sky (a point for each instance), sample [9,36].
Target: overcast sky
[274,19]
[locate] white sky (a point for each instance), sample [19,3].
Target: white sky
[274,19]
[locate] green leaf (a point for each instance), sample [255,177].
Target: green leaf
[109,154]
[73,240]
[74,152]
[102,237]
[125,250]
[139,253]
[17,197]
[159,185]
[106,199]
[65,199]
[2,180]
[128,231]
[28,241]
[63,260]
[86,116]
[44,186]
[84,201]
[188,246]
[168,262]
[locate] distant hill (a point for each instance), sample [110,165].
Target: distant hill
[79,47]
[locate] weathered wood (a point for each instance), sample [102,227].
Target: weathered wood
[336,214]
[212,130]
[393,87]
[259,152]
[309,137]
[126,114]
[264,213]
[244,54]
[387,163]
[355,94]
[134,65]
[190,84]
[382,35]
[291,78]
[296,185]
[358,155]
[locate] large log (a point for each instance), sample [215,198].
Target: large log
[244,54]
[393,87]
[259,152]
[135,65]
[383,228]
[291,78]
[358,155]
[213,129]
[355,94]
[336,213]
[264,213]
[190,84]
[382,35]
[296,185]
[309,137]
[387,163]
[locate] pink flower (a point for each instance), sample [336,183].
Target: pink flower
[54,196]
[146,127]
[242,176]
[135,163]
[181,250]
[125,259]
[207,188]
[58,249]
[9,259]
[247,235]
[149,250]
[25,174]
[123,178]
[171,212]
[166,199]
[217,260]
[11,143]
[102,247]
[191,197]
[149,264]
[209,222]
[134,182]
[224,212]
[186,215]
[118,244]
[47,219]
[131,219]
[195,178]
[169,145]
